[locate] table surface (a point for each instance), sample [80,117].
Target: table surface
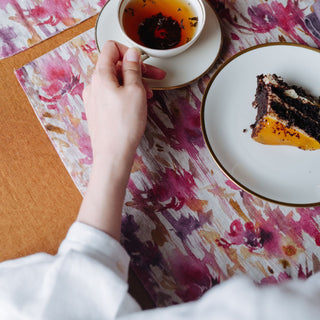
[35,214]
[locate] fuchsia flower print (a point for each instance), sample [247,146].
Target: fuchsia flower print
[185,225]
[25,23]
[265,21]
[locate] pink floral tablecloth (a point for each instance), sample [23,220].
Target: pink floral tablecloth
[185,225]
[26,23]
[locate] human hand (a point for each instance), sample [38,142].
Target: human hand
[116,108]
[116,101]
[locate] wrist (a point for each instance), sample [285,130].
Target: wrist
[112,165]
[103,202]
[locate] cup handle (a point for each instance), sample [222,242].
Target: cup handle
[144,56]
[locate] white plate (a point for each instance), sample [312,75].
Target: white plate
[281,174]
[181,69]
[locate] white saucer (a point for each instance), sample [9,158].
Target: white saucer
[181,69]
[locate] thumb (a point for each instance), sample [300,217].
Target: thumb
[131,67]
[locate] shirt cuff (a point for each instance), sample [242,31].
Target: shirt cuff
[98,245]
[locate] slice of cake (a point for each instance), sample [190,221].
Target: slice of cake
[286,115]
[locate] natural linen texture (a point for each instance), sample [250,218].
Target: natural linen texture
[26,23]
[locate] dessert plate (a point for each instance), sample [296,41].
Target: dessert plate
[281,174]
[182,69]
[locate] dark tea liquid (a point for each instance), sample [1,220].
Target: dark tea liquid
[138,13]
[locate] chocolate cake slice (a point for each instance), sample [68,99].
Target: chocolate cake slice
[286,114]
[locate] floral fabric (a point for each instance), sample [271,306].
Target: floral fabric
[26,23]
[185,225]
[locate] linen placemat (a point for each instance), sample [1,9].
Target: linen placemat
[26,23]
[185,225]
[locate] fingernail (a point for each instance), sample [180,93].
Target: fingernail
[133,55]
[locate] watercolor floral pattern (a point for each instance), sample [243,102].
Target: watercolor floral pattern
[185,225]
[25,23]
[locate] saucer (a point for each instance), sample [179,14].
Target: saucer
[182,69]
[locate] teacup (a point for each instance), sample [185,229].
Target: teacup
[161,28]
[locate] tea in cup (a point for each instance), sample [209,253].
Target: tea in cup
[161,28]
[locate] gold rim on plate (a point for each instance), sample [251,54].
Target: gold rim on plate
[216,159]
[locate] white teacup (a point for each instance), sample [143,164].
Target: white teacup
[197,22]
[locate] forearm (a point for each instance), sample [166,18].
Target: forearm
[103,202]
[116,107]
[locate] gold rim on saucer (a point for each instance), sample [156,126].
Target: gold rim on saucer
[180,85]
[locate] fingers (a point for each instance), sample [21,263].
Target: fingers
[111,53]
[118,65]
[151,72]
[148,90]
[131,71]
[131,67]
[148,71]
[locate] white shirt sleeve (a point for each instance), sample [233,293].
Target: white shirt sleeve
[240,299]
[87,279]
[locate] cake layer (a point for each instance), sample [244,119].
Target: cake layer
[274,132]
[286,114]
[295,118]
